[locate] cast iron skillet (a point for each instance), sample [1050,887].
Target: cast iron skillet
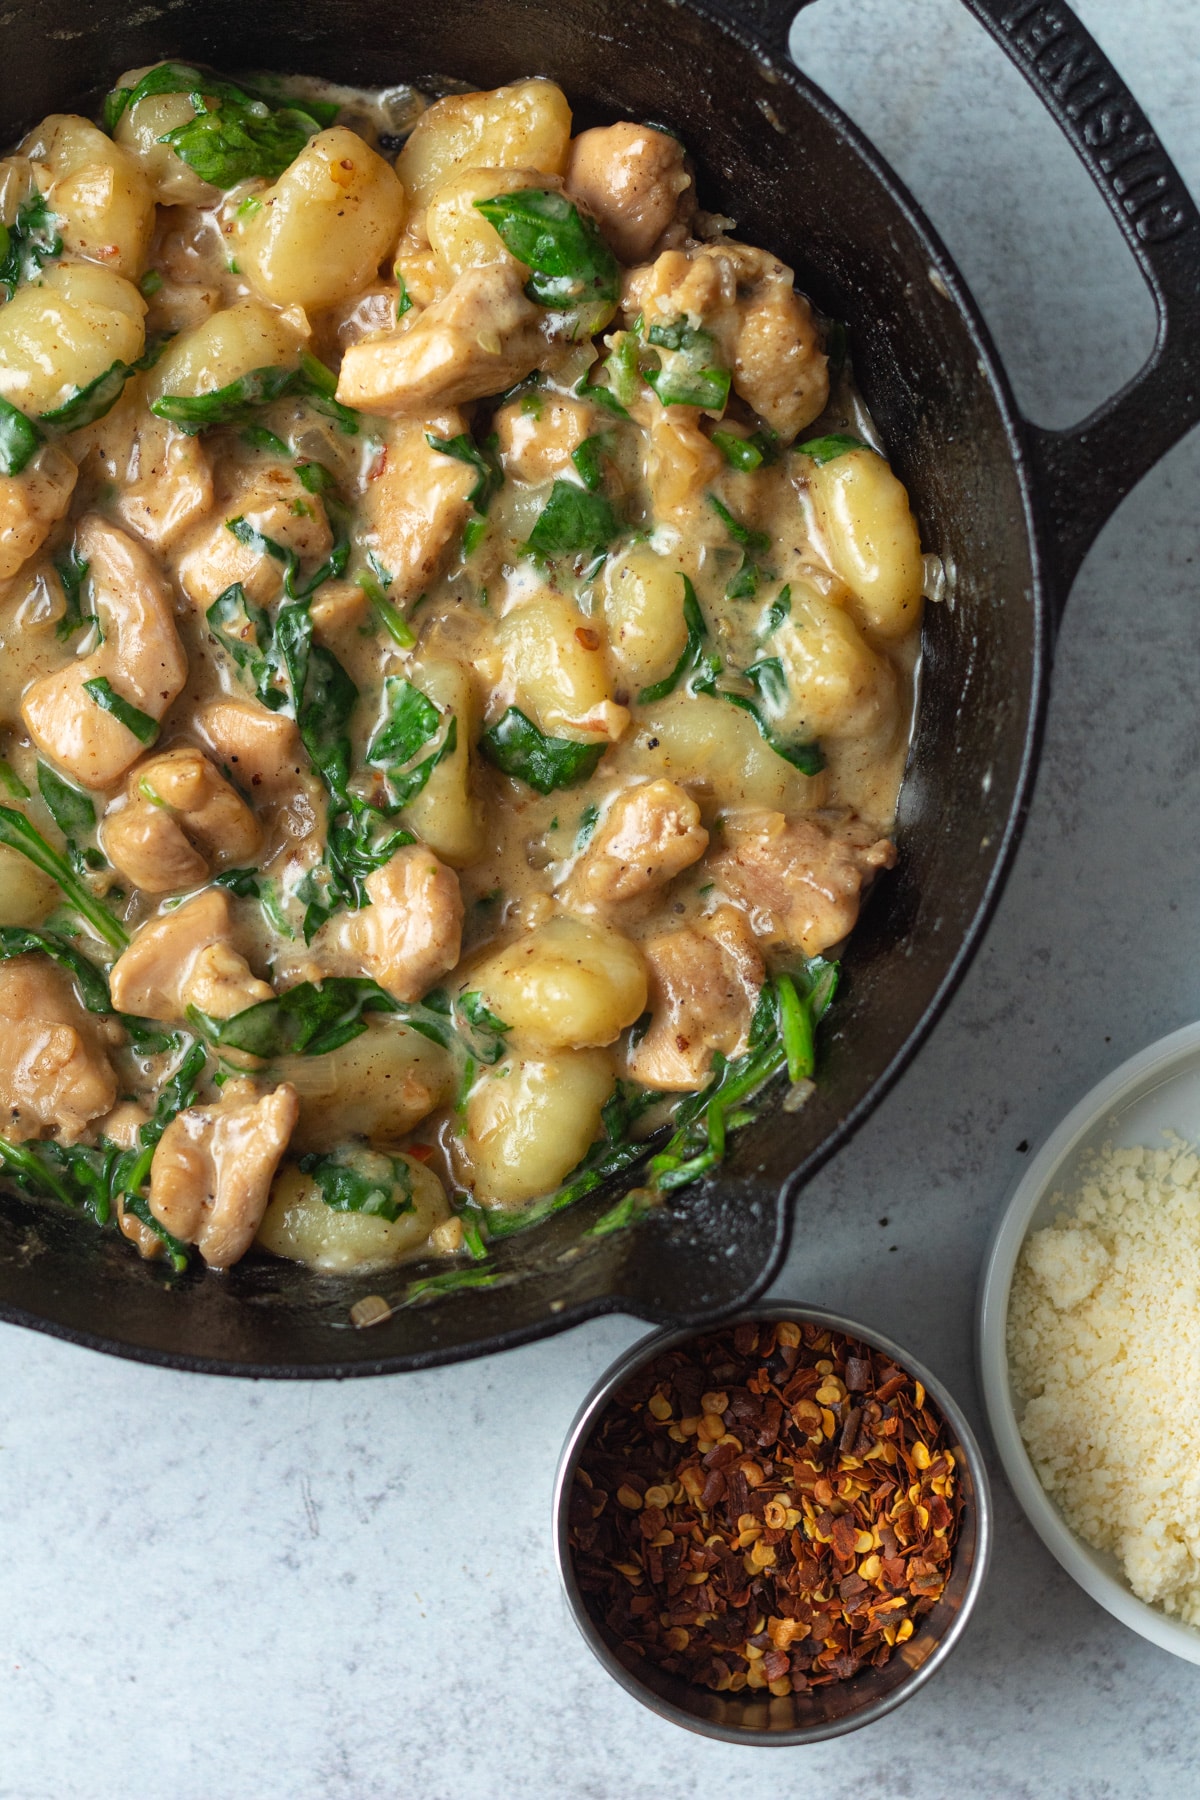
[1012,508]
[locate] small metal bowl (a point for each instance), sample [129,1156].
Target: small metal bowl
[753,1717]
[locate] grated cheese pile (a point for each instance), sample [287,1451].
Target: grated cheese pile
[1104,1347]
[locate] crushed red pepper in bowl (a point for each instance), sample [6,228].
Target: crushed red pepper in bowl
[768,1510]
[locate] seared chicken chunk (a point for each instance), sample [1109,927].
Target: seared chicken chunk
[212,1171]
[537,443]
[186,958]
[262,749]
[704,983]
[273,502]
[167,485]
[417,506]
[649,835]
[30,503]
[767,333]
[179,819]
[478,339]
[633,179]
[801,883]
[55,1075]
[141,657]
[409,935]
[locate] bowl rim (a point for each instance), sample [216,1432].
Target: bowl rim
[653,1344]
[1150,1066]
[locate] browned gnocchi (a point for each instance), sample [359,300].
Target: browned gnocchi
[457,646]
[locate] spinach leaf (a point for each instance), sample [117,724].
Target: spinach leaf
[143,727]
[588,458]
[779,610]
[571,522]
[826,449]
[259,438]
[246,632]
[768,680]
[600,396]
[232,404]
[91,402]
[18,834]
[482,1031]
[333,566]
[315,1018]
[429,1286]
[11,782]
[692,653]
[588,820]
[323,713]
[515,745]
[744,584]
[70,807]
[696,379]
[571,264]
[362,1181]
[375,586]
[234,142]
[623,368]
[741,534]
[19,439]
[27,245]
[317,383]
[412,720]
[766,676]
[745,453]
[72,573]
[464,449]
[236,135]
[242,882]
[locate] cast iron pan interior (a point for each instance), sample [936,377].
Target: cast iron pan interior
[776,156]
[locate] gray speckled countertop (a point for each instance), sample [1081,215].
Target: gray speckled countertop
[315,1592]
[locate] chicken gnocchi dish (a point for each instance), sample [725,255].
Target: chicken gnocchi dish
[458,630]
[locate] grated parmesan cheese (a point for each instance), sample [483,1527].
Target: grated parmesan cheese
[1104,1350]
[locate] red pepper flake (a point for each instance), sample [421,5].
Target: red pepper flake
[784,1523]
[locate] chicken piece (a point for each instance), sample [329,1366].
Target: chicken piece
[179,819]
[337,606]
[30,503]
[649,835]
[186,958]
[55,1075]
[275,502]
[632,178]
[409,935]
[166,484]
[417,506]
[141,657]
[680,461]
[212,1171]
[478,339]
[801,883]
[704,982]
[767,333]
[261,749]
[538,438]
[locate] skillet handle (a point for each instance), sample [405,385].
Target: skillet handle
[1084,473]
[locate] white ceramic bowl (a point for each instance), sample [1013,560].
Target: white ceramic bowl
[1157,1090]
